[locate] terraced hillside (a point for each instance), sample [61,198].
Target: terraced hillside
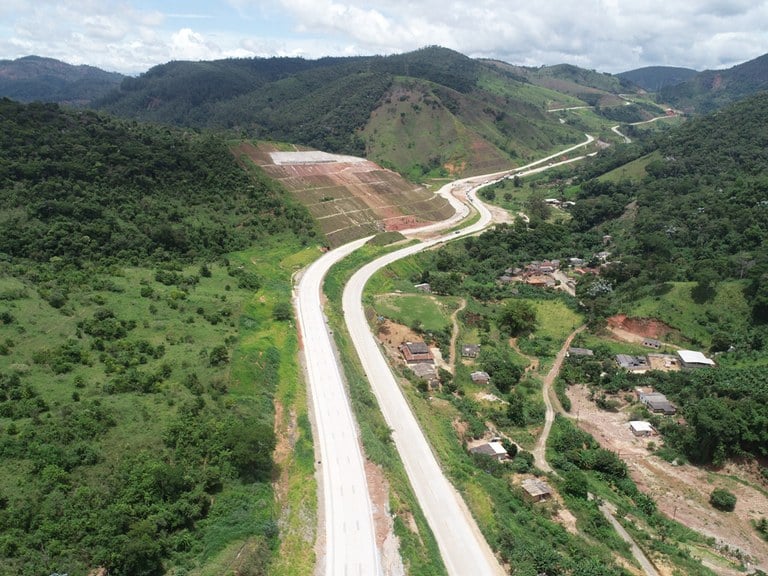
[349,197]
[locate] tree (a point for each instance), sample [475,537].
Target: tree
[282,311]
[722,500]
[218,356]
[575,484]
[516,318]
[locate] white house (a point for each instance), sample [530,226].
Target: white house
[690,359]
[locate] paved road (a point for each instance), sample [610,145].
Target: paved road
[349,535]
[462,546]
[350,545]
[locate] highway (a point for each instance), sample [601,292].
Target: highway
[350,544]
[462,546]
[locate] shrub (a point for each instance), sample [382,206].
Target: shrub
[722,500]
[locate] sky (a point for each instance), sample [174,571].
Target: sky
[131,36]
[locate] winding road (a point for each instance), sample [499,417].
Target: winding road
[348,543]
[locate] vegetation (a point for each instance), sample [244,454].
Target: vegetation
[140,355]
[722,500]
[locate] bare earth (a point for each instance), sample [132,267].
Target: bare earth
[681,492]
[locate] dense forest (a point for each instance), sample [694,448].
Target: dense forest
[79,186]
[136,421]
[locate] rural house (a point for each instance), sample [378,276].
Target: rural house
[691,360]
[632,363]
[536,490]
[492,449]
[640,428]
[480,377]
[470,350]
[416,352]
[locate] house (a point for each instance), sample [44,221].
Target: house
[426,372]
[480,377]
[416,352]
[541,281]
[579,352]
[655,401]
[690,360]
[423,287]
[651,343]
[492,449]
[536,490]
[641,428]
[632,363]
[576,262]
[470,350]
[552,201]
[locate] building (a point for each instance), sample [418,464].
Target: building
[536,490]
[656,402]
[416,352]
[632,363]
[691,360]
[480,377]
[641,428]
[470,350]
[426,372]
[423,287]
[492,449]
[651,343]
[579,352]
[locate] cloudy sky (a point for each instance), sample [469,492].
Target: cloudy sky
[130,36]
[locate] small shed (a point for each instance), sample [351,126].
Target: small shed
[579,352]
[537,490]
[470,350]
[641,428]
[651,343]
[480,377]
[423,287]
[493,449]
[691,360]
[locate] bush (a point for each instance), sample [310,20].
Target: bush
[722,500]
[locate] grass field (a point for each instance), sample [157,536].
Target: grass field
[431,313]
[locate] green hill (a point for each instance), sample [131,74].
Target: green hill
[140,351]
[654,78]
[33,78]
[713,89]
[336,104]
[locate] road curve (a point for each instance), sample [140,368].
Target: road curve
[350,544]
[462,545]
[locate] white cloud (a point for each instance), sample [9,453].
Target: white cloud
[607,35]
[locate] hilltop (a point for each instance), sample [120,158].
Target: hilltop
[431,111]
[654,78]
[713,89]
[33,78]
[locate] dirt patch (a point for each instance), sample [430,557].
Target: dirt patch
[641,327]
[681,492]
[349,197]
[386,540]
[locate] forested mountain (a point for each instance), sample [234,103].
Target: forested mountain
[714,89]
[33,78]
[333,104]
[80,186]
[654,78]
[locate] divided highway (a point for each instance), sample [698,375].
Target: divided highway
[345,508]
